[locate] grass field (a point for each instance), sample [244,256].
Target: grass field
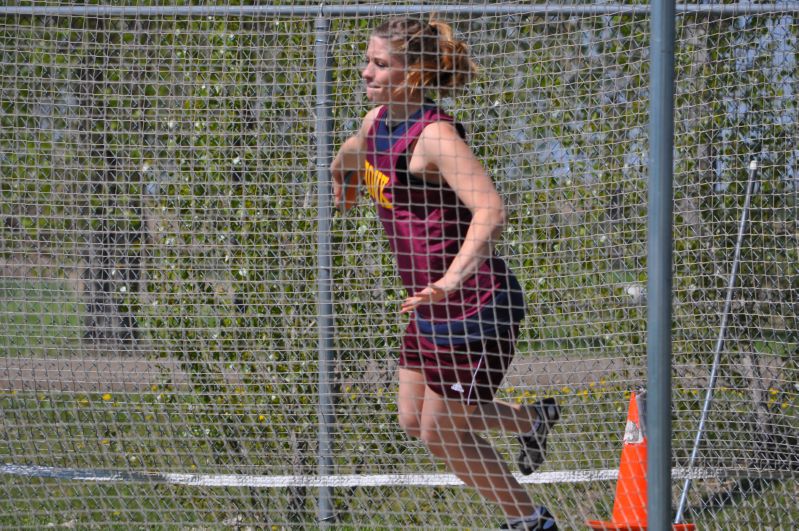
[163,432]
[39,317]
[37,503]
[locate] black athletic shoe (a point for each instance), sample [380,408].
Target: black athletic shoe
[542,520]
[534,446]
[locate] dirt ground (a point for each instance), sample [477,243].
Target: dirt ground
[114,373]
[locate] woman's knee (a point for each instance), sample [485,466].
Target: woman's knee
[432,440]
[409,422]
[438,440]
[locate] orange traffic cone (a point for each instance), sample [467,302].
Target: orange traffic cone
[629,507]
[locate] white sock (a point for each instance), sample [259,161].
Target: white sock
[517,520]
[529,519]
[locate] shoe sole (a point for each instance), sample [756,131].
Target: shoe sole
[551,411]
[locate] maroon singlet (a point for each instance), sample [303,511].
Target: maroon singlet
[425,222]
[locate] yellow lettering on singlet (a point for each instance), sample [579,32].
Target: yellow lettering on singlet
[375,182]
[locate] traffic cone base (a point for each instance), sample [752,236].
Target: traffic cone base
[630,504]
[616,526]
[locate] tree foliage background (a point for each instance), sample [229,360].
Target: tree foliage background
[166,166]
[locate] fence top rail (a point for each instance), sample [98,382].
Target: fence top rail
[377,9]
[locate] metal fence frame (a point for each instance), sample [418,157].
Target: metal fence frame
[661,130]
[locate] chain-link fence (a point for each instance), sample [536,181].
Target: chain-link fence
[160,263]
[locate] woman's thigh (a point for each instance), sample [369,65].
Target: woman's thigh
[410,399]
[444,420]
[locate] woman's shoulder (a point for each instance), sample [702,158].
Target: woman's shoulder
[442,127]
[435,114]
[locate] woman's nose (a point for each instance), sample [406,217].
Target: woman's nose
[366,73]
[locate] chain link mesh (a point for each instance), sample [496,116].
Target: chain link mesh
[159,267]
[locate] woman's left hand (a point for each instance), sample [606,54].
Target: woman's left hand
[428,295]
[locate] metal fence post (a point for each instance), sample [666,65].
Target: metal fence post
[324,129]
[659,263]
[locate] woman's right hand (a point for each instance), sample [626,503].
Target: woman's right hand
[348,165]
[345,171]
[345,190]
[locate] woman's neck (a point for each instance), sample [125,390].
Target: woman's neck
[400,112]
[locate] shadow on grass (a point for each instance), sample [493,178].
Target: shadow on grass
[733,496]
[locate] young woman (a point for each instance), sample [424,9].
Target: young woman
[443,215]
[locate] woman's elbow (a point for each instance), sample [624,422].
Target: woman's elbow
[499,216]
[495,217]
[502,217]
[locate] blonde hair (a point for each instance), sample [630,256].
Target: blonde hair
[434,58]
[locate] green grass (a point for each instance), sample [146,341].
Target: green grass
[39,317]
[38,503]
[167,432]
[41,503]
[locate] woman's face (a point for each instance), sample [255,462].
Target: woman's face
[384,74]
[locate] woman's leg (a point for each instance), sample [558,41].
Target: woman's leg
[410,399]
[447,431]
[499,415]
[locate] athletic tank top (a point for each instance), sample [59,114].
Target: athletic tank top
[426,222]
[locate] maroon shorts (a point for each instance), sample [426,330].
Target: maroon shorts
[471,372]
